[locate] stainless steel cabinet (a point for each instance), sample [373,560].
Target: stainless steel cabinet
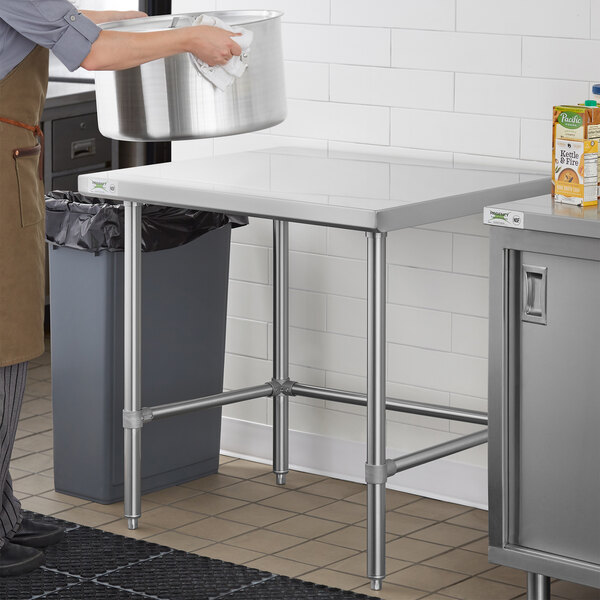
[544,397]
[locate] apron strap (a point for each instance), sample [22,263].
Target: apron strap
[37,131]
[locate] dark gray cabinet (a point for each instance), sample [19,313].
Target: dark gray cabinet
[73,143]
[544,395]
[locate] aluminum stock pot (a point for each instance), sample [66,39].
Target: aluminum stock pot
[167,99]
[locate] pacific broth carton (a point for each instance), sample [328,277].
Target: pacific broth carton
[576,134]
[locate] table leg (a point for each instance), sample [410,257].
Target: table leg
[538,587]
[280,347]
[376,373]
[132,360]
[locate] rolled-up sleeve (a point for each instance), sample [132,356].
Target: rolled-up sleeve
[54,24]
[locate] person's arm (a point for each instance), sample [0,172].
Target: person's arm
[116,50]
[104,16]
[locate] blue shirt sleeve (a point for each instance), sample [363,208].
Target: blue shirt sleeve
[54,24]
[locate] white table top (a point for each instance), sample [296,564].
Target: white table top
[341,189]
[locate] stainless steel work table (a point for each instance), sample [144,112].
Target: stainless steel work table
[371,193]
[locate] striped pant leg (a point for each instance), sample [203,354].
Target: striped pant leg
[12,388]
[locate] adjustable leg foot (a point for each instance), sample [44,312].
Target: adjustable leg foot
[376,584]
[132,522]
[280,477]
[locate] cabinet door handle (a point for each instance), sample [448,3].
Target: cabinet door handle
[534,294]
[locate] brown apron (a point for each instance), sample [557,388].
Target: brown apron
[22,211]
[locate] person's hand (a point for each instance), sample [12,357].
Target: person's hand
[213,45]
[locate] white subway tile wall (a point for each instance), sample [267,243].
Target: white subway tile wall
[456,82]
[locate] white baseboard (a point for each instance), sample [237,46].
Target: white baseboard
[444,479]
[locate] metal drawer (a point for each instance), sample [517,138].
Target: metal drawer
[77,143]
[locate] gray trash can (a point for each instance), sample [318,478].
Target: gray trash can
[184,307]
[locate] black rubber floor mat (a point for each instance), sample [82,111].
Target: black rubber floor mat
[33,585]
[93,591]
[88,552]
[89,564]
[182,576]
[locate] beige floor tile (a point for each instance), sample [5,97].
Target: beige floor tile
[34,463]
[38,406]
[357,564]
[18,473]
[174,539]
[244,469]
[171,495]
[35,443]
[461,561]
[211,482]
[393,498]
[85,516]
[228,553]
[392,592]
[39,373]
[38,388]
[335,488]
[401,524]
[449,535]
[294,479]
[342,511]
[316,553]
[72,500]
[480,546]
[118,509]
[334,579]
[44,506]
[414,550]
[250,491]
[120,527]
[267,542]
[17,452]
[507,575]
[296,501]
[476,519]
[350,537]
[257,514]
[209,504]
[169,517]
[34,484]
[48,473]
[573,591]
[213,528]
[433,509]
[223,459]
[476,588]
[305,526]
[280,566]
[36,424]
[425,578]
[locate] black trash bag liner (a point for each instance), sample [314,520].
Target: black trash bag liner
[93,224]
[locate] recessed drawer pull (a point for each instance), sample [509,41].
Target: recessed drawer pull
[82,148]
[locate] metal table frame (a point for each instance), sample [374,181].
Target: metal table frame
[378,467]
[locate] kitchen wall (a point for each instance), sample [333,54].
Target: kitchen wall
[452,81]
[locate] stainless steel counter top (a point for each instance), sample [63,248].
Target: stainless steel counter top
[325,187]
[541,213]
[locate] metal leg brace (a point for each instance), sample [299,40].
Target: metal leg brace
[376,472]
[280,348]
[133,370]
